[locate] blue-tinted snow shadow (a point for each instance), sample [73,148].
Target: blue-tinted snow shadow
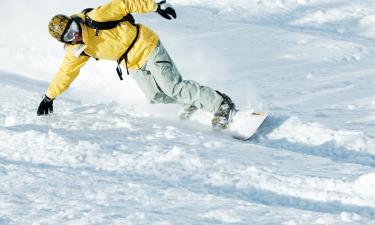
[22,82]
[273,199]
[250,194]
[105,138]
[109,139]
[5,220]
[327,150]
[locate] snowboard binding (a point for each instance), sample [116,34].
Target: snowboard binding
[224,115]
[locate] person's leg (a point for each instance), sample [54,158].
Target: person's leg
[186,92]
[149,87]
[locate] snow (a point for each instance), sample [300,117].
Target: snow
[108,157]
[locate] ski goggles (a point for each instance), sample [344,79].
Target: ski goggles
[70,33]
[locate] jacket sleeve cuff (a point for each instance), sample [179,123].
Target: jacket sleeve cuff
[155,7]
[50,95]
[48,98]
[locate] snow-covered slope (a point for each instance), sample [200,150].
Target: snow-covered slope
[345,17]
[108,157]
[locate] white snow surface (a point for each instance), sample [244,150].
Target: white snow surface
[106,156]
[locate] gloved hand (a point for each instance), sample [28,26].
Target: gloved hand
[166,10]
[45,107]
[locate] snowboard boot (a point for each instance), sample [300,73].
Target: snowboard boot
[188,112]
[223,116]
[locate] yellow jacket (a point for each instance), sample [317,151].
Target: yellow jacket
[109,44]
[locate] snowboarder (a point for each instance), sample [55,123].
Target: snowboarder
[110,32]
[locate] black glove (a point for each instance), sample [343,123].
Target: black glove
[165,10]
[46,106]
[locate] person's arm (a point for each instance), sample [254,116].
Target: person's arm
[68,71]
[116,9]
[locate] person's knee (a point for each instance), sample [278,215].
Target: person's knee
[185,90]
[160,97]
[172,89]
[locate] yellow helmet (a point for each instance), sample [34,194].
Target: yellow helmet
[58,25]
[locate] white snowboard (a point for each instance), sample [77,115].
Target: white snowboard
[245,124]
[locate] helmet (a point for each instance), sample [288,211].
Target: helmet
[58,25]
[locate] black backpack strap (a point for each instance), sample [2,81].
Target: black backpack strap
[78,19]
[85,54]
[128,18]
[105,25]
[125,55]
[87,10]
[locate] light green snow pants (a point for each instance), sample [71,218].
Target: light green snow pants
[161,82]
